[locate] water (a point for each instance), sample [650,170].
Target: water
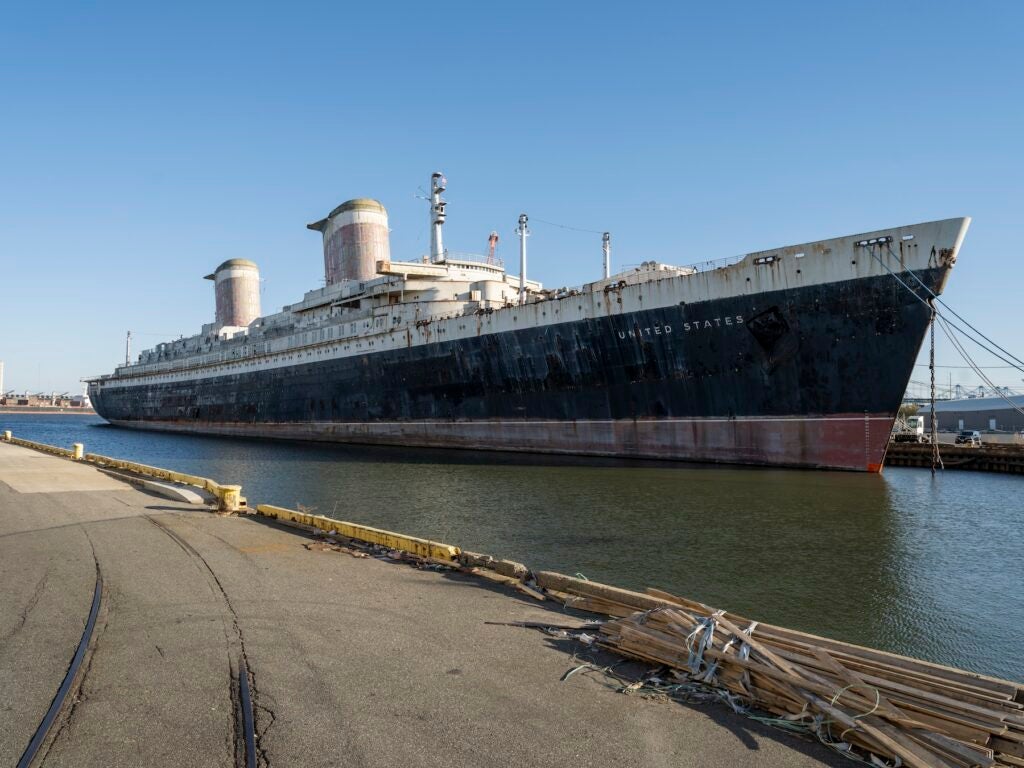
[921,566]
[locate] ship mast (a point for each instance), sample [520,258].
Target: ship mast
[437,186]
[492,244]
[523,233]
[606,246]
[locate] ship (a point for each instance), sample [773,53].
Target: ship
[796,356]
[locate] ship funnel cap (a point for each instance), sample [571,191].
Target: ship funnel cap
[358,204]
[232,263]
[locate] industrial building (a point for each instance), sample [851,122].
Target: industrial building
[985,414]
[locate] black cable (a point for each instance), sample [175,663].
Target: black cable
[954,312]
[564,226]
[914,293]
[959,347]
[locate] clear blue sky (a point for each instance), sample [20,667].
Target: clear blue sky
[141,144]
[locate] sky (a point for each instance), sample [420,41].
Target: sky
[142,144]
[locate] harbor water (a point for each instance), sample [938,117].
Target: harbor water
[903,561]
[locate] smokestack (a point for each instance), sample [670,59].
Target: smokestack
[355,239]
[236,285]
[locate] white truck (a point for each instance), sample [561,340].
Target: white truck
[909,429]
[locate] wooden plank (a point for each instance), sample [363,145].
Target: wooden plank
[1004,688]
[528,590]
[1007,746]
[894,706]
[971,754]
[884,707]
[637,600]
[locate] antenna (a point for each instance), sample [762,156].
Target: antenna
[437,185]
[523,233]
[128,349]
[492,244]
[606,246]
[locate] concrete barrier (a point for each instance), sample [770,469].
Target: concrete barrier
[166,490]
[231,500]
[417,546]
[64,452]
[229,497]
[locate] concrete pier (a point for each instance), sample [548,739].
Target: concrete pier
[1006,458]
[354,662]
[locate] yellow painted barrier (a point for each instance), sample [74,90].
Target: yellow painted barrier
[416,546]
[144,469]
[229,496]
[68,454]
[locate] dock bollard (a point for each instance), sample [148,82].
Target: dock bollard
[79,451]
[7,435]
[230,497]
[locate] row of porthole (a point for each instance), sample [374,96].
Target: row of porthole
[309,353]
[320,352]
[358,345]
[289,357]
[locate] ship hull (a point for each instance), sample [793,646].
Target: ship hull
[805,377]
[847,442]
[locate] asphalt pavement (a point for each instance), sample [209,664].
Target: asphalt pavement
[353,661]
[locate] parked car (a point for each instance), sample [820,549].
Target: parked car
[968,437]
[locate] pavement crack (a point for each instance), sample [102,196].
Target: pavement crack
[235,630]
[265,718]
[205,566]
[77,693]
[27,609]
[82,694]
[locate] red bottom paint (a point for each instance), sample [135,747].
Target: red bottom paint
[846,442]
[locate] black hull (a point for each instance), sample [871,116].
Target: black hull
[837,353]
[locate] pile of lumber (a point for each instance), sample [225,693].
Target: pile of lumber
[899,709]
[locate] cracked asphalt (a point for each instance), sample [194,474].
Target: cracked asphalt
[354,662]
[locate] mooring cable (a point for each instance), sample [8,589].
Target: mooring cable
[944,325]
[959,316]
[933,296]
[65,687]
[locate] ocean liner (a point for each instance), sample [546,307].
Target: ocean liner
[795,356]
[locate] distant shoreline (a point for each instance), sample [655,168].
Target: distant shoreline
[48,411]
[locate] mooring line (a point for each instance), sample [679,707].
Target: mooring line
[248,723]
[65,687]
